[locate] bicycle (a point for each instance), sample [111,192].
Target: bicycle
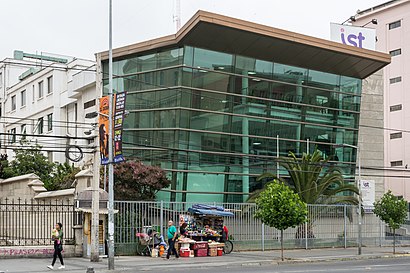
[228,247]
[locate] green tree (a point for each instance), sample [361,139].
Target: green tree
[5,171]
[136,181]
[393,211]
[64,175]
[315,180]
[30,159]
[278,206]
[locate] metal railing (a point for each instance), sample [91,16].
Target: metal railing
[328,226]
[29,222]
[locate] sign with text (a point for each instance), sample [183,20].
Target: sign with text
[119,113]
[354,36]
[103,127]
[367,188]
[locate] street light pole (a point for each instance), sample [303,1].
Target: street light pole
[110,152]
[359,250]
[359,212]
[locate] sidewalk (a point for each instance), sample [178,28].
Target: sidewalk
[254,258]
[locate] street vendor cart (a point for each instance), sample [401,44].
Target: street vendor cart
[204,231]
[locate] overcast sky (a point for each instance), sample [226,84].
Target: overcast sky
[79,28]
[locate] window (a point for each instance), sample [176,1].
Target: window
[396,163]
[395,25]
[395,135]
[394,80]
[13,103]
[34,94]
[23,98]
[50,122]
[40,89]
[50,85]
[40,124]
[397,107]
[23,131]
[89,104]
[13,135]
[395,52]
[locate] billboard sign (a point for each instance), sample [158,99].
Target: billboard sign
[355,36]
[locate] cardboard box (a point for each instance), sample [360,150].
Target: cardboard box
[213,252]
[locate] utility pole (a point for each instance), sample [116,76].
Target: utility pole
[110,152]
[95,205]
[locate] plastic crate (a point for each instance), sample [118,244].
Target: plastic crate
[201,252]
[200,245]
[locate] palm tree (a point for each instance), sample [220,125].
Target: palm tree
[314,180]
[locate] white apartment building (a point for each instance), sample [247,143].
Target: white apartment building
[45,103]
[393,36]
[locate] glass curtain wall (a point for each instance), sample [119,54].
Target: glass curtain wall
[214,120]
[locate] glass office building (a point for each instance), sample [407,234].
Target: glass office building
[215,120]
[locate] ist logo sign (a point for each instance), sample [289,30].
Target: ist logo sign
[354,36]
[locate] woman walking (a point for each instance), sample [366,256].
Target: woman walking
[57,237]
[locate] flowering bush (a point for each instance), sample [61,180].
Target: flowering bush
[133,180]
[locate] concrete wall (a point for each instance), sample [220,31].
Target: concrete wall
[23,187]
[371,137]
[34,252]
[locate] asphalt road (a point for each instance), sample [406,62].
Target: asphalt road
[400,265]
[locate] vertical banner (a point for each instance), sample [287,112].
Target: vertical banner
[103,127]
[119,100]
[368,191]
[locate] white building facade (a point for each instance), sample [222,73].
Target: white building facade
[46,104]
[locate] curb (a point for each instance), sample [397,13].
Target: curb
[353,258]
[266,262]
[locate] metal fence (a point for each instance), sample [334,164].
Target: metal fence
[30,222]
[328,226]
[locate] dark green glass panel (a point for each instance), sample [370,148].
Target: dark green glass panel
[323,80]
[213,60]
[170,57]
[350,85]
[253,68]
[188,56]
[290,74]
[153,99]
[211,80]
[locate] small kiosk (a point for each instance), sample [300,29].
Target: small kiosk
[203,228]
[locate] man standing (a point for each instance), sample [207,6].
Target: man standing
[172,236]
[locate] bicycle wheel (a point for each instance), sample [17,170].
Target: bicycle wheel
[228,247]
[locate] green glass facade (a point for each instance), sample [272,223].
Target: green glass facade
[214,120]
